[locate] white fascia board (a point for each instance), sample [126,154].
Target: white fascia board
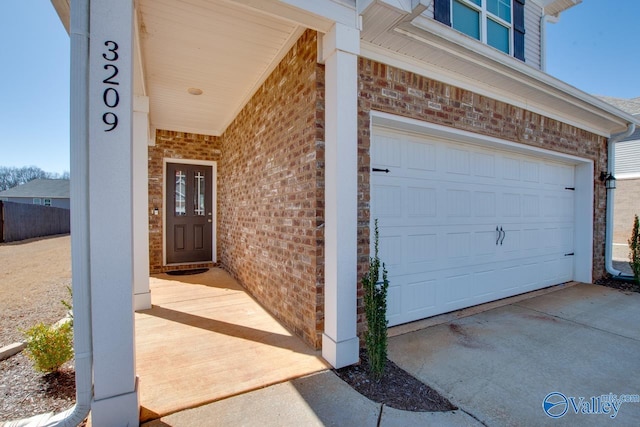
[341,11]
[319,15]
[454,43]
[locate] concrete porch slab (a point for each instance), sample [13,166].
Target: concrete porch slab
[206,339]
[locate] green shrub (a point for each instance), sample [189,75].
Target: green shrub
[634,249]
[49,347]
[375,306]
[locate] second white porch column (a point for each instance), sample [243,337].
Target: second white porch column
[111,213]
[340,343]
[142,295]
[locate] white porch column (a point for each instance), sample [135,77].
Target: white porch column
[111,212]
[341,46]
[142,295]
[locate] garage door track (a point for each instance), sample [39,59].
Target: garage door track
[570,357]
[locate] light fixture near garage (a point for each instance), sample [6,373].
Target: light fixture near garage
[194,91]
[609,180]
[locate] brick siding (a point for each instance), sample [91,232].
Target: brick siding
[270,200]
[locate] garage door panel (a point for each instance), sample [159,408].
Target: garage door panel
[438,209]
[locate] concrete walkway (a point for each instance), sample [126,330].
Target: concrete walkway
[497,366]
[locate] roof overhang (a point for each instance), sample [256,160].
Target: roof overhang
[221,50]
[555,7]
[427,47]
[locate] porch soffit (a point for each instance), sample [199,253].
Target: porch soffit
[223,48]
[427,47]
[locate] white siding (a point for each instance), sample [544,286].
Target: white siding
[532,15]
[627,159]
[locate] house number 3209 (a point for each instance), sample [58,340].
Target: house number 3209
[110,96]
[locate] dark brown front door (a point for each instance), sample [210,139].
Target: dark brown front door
[189,214]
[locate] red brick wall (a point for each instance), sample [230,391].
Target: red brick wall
[392,90]
[270,197]
[172,145]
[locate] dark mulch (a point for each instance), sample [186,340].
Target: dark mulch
[397,388]
[24,392]
[623,285]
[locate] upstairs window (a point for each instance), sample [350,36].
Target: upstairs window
[486,20]
[37,201]
[498,23]
[47,202]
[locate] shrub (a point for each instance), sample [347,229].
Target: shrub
[634,249]
[49,347]
[375,306]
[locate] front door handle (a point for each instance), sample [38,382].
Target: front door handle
[209,220]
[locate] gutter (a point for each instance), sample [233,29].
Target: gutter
[611,163]
[80,266]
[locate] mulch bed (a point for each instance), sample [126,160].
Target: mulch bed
[24,392]
[623,285]
[397,388]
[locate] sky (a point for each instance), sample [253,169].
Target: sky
[589,48]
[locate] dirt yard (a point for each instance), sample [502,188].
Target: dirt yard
[34,275]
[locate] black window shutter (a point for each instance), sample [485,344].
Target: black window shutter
[518,29]
[442,11]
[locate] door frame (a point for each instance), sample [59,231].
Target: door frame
[584,176]
[214,205]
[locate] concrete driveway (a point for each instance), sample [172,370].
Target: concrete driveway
[580,342]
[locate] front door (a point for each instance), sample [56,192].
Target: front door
[189,213]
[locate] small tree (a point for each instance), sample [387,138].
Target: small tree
[375,306]
[634,249]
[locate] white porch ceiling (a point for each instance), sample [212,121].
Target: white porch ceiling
[221,47]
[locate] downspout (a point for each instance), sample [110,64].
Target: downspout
[553,19]
[611,164]
[80,266]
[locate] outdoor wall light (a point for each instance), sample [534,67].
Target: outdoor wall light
[609,180]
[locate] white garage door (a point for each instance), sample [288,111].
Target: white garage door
[462,224]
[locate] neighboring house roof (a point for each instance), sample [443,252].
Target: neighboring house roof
[48,188]
[631,106]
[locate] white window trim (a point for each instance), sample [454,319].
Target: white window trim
[44,202]
[36,201]
[484,16]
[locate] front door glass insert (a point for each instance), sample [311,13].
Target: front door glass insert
[180,193]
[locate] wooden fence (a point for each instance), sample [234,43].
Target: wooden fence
[19,221]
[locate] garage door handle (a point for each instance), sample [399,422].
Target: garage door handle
[380,170]
[497,231]
[504,233]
